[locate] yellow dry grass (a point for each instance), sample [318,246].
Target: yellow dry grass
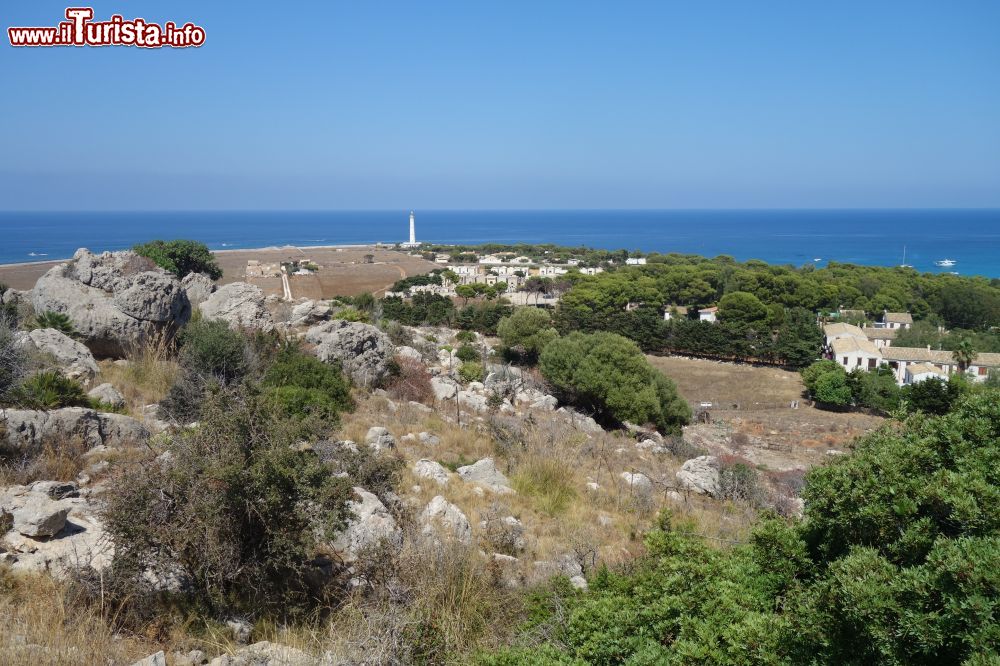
[147,376]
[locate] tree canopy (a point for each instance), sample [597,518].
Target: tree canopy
[181,257]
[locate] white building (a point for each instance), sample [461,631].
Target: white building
[675,312]
[708,314]
[839,330]
[551,271]
[918,372]
[881,337]
[591,271]
[897,320]
[465,269]
[490,260]
[855,353]
[635,261]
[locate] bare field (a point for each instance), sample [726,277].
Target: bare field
[778,438]
[342,273]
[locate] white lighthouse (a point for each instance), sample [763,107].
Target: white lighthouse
[413,233]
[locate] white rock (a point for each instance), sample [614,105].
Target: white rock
[40,517]
[74,359]
[443,516]
[579,582]
[444,388]
[409,353]
[107,394]
[380,439]
[484,473]
[700,475]
[638,482]
[155,659]
[370,525]
[429,469]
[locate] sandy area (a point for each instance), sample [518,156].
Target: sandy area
[342,273]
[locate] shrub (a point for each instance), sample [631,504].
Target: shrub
[740,482]
[471,371]
[811,374]
[351,314]
[180,257]
[412,382]
[236,512]
[832,389]
[13,359]
[298,387]
[932,396]
[467,353]
[398,334]
[608,374]
[57,320]
[50,390]
[211,349]
[465,336]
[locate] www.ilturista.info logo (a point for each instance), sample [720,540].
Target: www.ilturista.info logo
[81,30]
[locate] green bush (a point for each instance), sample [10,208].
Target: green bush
[235,512]
[471,372]
[465,336]
[608,375]
[832,389]
[351,314]
[180,257]
[932,396]
[57,320]
[467,353]
[211,349]
[13,359]
[300,386]
[50,390]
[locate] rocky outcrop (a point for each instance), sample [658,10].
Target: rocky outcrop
[432,470]
[198,287]
[115,300]
[240,305]
[54,530]
[107,394]
[268,654]
[484,473]
[700,475]
[441,517]
[30,430]
[363,351]
[74,359]
[637,482]
[309,312]
[444,388]
[370,525]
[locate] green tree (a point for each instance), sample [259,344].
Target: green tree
[740,307]
[608,375]
[465,291]
[964,354]
[527,331]
[832,389]
[181,257]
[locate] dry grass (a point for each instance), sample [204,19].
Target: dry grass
[147,377]
[43,622]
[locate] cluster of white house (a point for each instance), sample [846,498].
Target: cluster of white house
[870,347]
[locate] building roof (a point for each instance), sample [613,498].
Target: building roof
[681,310]
[938,356]
[708,310]
[923,369]
[841,329]
[851,345]
[897,318]
[880,333]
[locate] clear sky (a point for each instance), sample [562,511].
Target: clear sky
[511,104]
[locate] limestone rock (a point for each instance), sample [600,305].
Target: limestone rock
[473,401]
[700,475]
[485,473]
[267,654]
[380,439]
[429,469]
[40,517]
[74,359]
[30,430]
[441,516]
[309,312]
[155,659]
[116,300]
[409,353]
[240,305]
[362,350]
[638,482]
[198,287]
[444,388]
[107,394]
[370,525]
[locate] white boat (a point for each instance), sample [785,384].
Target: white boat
[904,264]
[945,262]
[37,254]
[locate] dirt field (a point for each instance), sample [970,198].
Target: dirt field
[343,271]
[763,429]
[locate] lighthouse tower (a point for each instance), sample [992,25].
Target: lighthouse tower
[413,233]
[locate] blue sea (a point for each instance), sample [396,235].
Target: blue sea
[798,237]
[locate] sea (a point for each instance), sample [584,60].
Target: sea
[920,238]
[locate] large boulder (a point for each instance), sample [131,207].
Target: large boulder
[484,473]
[198,287]
[363,351]
[371,524]
[107,394]
[29,430]
[444,388]
[239,304]
[700,475]
[432,470]
[74,359]
[40,516]
[637,482]
[380,439]
[309,312]
[116,300]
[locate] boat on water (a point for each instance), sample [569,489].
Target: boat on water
[37,254]
[945,262]
[904,264]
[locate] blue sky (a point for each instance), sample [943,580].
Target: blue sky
[513,104]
